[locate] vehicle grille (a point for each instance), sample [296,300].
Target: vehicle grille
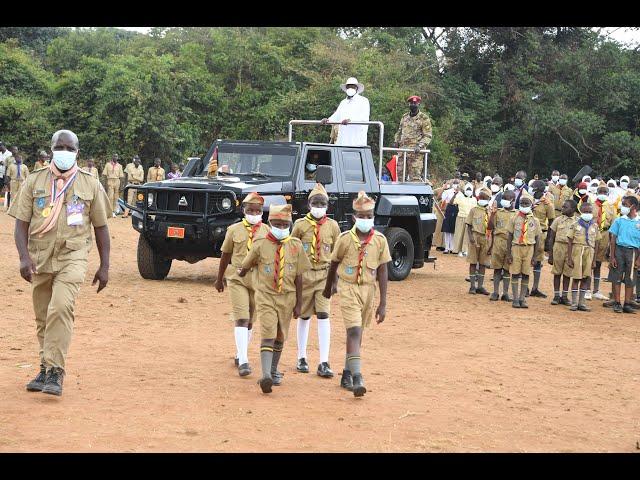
[169,201]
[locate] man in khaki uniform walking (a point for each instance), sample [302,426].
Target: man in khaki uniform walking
[135,176]
[113,172]
[155,173]
[17,173]
[43,160]
[53,238]
[91,168]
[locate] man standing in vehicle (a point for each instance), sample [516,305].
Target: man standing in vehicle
[414,132]
[354,108]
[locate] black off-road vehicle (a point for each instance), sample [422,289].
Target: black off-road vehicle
[186,218]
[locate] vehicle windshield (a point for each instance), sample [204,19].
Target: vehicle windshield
[259,160]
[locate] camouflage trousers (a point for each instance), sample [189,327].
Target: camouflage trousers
[415,167]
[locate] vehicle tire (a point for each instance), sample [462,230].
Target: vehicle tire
[401,249]
[151,265]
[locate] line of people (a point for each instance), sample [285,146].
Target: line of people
[508,228]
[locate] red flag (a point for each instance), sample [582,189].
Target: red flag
[392,166]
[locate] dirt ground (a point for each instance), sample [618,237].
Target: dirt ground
[446,372]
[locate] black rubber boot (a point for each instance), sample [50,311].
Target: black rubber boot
[358,385]
[37,383]
[53,382]
[346,381]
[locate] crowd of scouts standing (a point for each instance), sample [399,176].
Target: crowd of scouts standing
[508,227]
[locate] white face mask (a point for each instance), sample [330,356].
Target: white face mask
[64,159]
[318,212]
[624,184]
[505,203]
[555,178]
[253,219]
[582,191]
[351,92]
[495,188]
[468,193]
[562,181]
[587,217]
[518,182]
[508,186]
[525,210]
[280,233]
[364,224]
[603,198]
[593,189]
[483,202]
[624,210]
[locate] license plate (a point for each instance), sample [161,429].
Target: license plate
[175,232]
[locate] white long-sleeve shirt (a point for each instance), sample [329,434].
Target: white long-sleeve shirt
[356,109]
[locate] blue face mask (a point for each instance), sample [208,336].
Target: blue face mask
[311,167]
[518,182]
[64,159]
[280,233]
[364,224]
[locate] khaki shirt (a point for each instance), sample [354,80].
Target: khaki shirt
[263,255]
[12,172]
[329,233]
[561,225]
[93,171]
[560,195]
[64,243]
[113,172]
[544,212]
[347,253]
[235,243]
[579,234]
[155,174]
[478,218]
[501,222]
[136,174]
[39,164]
[533,229]
[607,218]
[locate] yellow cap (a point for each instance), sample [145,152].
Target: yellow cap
[280,212]
[363,203]
[253,197]
[319,190]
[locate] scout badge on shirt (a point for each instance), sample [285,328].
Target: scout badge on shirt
[41,202]
[74,214]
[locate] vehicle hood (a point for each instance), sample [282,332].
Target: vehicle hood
[235,184]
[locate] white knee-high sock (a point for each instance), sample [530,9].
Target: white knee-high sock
[241,344]
[324,338]
[249,335]
[303,336]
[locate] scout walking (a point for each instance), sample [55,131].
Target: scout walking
[281,261]
[477,223]
[524,234]
[544,211]
[580,255]
[558,245]
[135,176]
[113,172]
[604,214]
[499,247]
[238,242]
[54,214]
[318,234]
[360,258]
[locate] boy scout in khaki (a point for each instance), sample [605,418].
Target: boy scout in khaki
[155,173]
[561,193]
[319,234]
[17,173]
[280,262]
[360,259]
[499,248]
[557,245]
[544,211]
[238,241]
[580,255]
[91,169]
[604,215]
[477,223]
[53,238]
[135,176]
[524,233]
[113,171]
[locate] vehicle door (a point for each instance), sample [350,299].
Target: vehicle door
[355,176]
[312,156]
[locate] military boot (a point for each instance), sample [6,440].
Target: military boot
[53,381]
[37,383]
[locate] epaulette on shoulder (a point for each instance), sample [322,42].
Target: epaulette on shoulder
[346,232]
[39,170]
[85,172]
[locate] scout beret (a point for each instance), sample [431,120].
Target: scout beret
[414,98]
[363,203]
[280,212]
[319,190]
[253,197]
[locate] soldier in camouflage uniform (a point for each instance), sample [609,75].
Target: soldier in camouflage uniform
[414,132]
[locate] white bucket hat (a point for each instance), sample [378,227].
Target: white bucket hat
[352,81]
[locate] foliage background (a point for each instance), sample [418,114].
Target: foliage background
[501,99]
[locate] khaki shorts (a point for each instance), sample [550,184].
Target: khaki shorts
[313,282]
[499,253]
[560,266]
[538,255]
[478,252]
[582,259]
[242,297]
[274,309]
[356,303]
[522,256]
[602,249]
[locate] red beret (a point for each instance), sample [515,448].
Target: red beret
[583,185]
[414,98]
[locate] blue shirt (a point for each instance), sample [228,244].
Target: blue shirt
[627,231]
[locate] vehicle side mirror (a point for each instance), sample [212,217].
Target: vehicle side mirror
[324,174]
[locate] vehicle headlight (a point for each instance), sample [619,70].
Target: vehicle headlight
[150,199]
[226,203]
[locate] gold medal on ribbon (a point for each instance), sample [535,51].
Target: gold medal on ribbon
[46,212]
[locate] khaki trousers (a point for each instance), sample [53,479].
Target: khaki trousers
[461,236]
[437,235]
[54,296]
[113,192]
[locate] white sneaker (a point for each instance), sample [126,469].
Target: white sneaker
[587,295]
[599,296]
[113,215]
[461,254]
